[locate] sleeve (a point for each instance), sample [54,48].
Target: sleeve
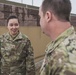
[30,65]
[62,65]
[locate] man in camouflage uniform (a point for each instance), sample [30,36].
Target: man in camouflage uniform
[16,52]
[60,57]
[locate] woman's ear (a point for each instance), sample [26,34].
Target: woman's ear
[48,16]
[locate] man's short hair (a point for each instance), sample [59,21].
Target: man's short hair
[60,8]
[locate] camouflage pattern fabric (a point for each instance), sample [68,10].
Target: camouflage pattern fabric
[16,55]
[60,57]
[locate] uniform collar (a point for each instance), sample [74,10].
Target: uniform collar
[53,44]
[19,36]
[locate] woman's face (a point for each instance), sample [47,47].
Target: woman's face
[13,26]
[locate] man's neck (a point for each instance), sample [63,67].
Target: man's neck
[58,29]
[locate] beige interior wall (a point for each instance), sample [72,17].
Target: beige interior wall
[38,39]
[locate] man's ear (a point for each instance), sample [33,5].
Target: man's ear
[48,16]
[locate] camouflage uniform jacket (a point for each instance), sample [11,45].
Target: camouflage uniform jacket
[16,55]
[60,57]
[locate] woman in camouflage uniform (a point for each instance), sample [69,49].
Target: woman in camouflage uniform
[16,53]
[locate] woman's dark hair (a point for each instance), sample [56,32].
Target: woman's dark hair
[12,17]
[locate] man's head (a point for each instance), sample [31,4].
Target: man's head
[54,14]
[13,25]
